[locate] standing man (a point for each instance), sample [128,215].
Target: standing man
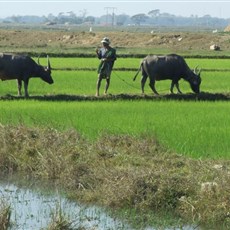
[107,55]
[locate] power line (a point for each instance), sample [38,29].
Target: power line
[107,14]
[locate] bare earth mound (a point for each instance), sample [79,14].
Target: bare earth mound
[60,39]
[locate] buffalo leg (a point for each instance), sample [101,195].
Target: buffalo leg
[152,86]
[172,86]
[26,82]
[143,80]
[178,89]
[177,86]
[19,87]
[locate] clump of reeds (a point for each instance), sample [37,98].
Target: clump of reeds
[59,221]
[5,213]
[121,171]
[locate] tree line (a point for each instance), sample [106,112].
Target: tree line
[153,17]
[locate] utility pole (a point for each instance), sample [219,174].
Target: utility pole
[107,14]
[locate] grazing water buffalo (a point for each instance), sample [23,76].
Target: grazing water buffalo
[22,68]
[172,67]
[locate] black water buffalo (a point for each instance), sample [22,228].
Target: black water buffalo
[172,67]
[22,68]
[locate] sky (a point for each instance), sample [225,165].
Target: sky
[186,8]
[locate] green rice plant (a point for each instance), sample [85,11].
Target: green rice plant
[215,82]
[77,62]
[92,62]
[197,129]
[65,110]
[65,82]
[204,63]
[84,82]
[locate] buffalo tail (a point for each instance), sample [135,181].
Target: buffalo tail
[138,71]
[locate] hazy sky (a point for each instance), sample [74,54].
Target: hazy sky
[97,8]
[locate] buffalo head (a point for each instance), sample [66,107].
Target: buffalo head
[195,81]
[45,72]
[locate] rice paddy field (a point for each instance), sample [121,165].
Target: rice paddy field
[137,153]
[196,128]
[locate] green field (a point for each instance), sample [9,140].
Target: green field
[78,62]
[197,129]
[138,155]
[214,76]
[194,128]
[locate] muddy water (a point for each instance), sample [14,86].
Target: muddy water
[32,210]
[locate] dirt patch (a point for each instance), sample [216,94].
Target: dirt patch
[58,38]
[204,96]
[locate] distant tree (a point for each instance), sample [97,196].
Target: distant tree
[60,14]
[90,19]
[167,15]
[16,19]
[103,20]
[206,20]
[83,13]
[154,13]
[138,18]
[51,17]
[121,19]
[71,14]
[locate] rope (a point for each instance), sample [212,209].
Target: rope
[133,85]
[125,81]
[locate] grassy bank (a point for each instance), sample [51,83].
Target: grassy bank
[122,172]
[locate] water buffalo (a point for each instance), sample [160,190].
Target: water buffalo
[172,67]
[22,68]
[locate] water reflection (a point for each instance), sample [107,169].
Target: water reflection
[34,210]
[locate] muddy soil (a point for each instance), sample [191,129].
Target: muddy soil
[203,96]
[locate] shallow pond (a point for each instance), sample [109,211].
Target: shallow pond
[34,210]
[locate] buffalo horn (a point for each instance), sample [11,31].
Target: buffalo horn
[197,71]
[38,60]
[48,60]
